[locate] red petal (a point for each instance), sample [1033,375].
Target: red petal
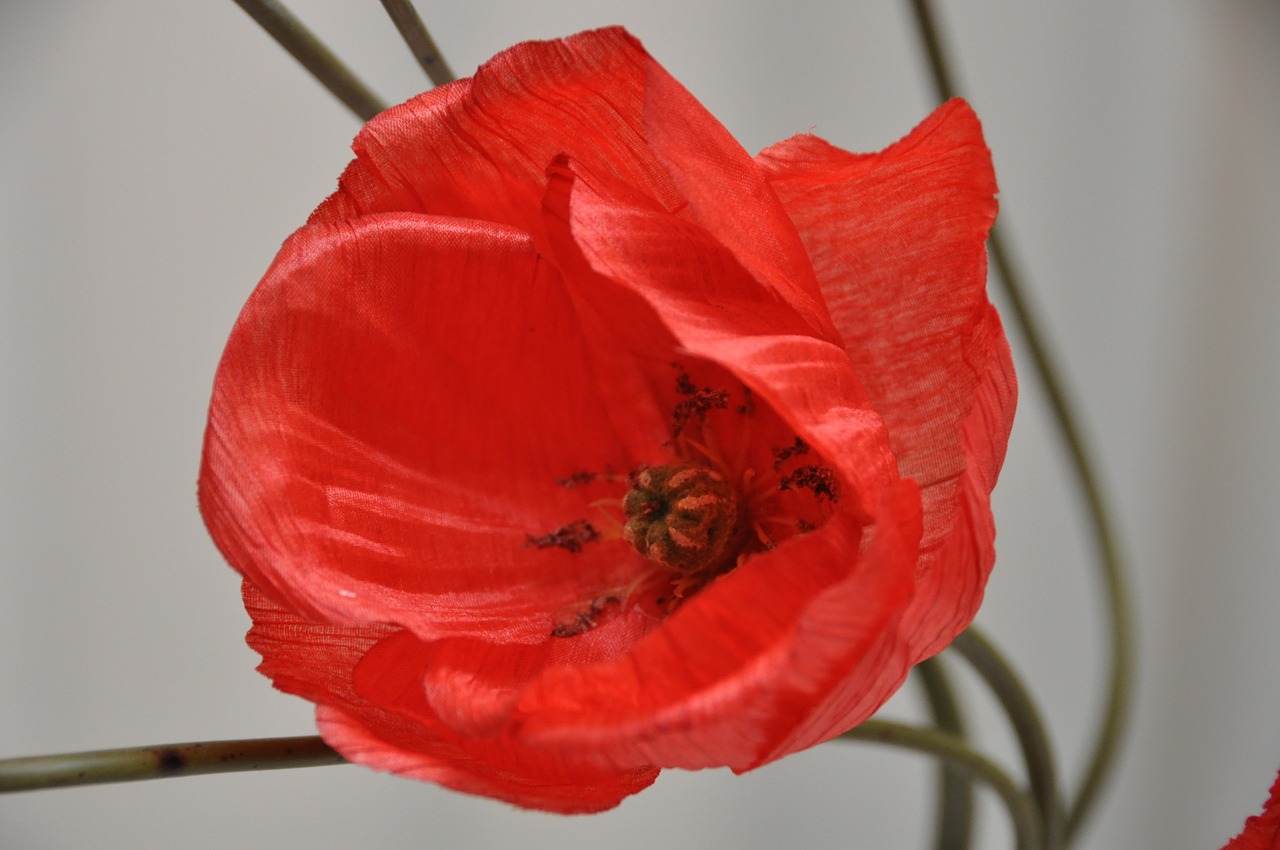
[380,442]
[405,388]
[478,147]
[1261,832]
[340,668]
[730,681]
[406,748]
[850,645]
[897,243]
[303,657]
[711,680]
[729,196]
[695,287]
[474,686]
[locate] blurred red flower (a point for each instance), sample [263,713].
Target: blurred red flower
[1261,832]
[567,441]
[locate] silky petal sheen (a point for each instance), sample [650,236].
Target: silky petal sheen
[729,196]
[478,147]
[743,684]
[719,654]
[406,748]
[850,654]
[527,284]
[303,656]
[381,453]
[897,242]
[323,663]
[475,686]
[715,310]
[397,673]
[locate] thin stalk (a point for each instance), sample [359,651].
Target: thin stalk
[1115,719]
[414,32]
[1027,724]
[955,792]
[293,36]
[1022,811]
[162,762]
[931,40]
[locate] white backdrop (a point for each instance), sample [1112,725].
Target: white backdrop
[153,156]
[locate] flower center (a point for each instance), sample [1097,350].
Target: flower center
[685,517]
[721,500]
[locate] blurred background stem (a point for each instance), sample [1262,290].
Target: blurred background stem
[1111,564]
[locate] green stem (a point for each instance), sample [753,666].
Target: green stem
[1111,562]
[955,792]
[293,36]
[414,32]
[1027,724]
[161,762]
[1116,715]
[1022,811]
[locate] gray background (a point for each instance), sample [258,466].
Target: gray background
[153,155]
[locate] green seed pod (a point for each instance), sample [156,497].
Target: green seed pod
[684,517]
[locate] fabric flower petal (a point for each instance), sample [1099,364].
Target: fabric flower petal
[728,195]
[743,682]
[323,663]
[897,242]
[714,309]
[567,442]
[478,147]
[383,452]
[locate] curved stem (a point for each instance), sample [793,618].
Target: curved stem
[161,762]
[1114,572]
[1026,820]
[1027,723]
[414,32]
[293,36]
[955,792]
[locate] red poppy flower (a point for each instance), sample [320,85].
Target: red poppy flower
[1261,832]
[567,442]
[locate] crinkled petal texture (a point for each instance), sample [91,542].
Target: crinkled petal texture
[1261,832]
[530,285]
[892,240]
